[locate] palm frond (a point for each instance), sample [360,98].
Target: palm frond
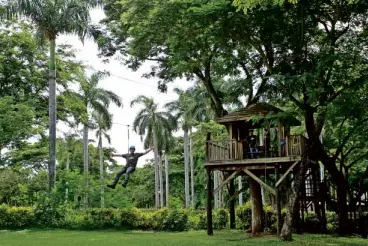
[113,98]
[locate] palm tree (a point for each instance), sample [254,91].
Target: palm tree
[67,145]
[97,99]
[103,124]
[157,127]
[53,17]
[185,116]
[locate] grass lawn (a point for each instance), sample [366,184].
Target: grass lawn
[99,238]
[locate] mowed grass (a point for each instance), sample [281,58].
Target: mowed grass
[111,238]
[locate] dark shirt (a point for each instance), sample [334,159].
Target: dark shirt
[252,141]
[132,159]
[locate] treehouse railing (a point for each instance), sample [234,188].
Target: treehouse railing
[231,149]
[295,145]
[224,150]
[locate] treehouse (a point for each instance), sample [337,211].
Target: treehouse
[260,142]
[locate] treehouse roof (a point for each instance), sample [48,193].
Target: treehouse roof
[259,112]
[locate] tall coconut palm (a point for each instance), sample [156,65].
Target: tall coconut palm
[185,116]
[155,126]
[68,145]
[95,98]
[102,125]
[51,18]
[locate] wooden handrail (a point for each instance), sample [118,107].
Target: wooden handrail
[232,149]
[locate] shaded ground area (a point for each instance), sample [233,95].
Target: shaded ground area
[98,238]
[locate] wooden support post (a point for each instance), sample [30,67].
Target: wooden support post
[231,156]
[209,203]
[278,203]
[227,180]
[232,205]
[279,137]
[297,217]
[286,174]
[259,181]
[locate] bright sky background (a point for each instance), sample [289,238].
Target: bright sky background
[126,89]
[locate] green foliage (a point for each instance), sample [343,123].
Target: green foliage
[15,112]
[16,217]
[150,121]
[50,216]
[247,5]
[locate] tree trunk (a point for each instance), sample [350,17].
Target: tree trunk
[161,182]
[286,231]
[67,171]
[192,171]
[186,168]
[85,160]
[240,186]
[101,173]
[157,201]
[337,177]
[167,179]
[342,208]
[52,115]
[257,206]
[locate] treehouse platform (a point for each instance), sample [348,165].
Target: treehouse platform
[260,143]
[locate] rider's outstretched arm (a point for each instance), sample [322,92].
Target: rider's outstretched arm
[118,155]
[147,151]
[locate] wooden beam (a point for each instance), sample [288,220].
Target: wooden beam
[238,192]
[261,161]
[259,181]
[232,205]
[278,203]
[227,180]
[279,132]
[231,141]
[209,203]
[286,174]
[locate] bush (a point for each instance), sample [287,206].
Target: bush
[244,214]
[331,220]
[221,219]
[47,215]
[16,217]
[175,220]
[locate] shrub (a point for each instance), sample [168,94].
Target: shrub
[244,213]
[175,220]
[47,215]
[331,220]
[16,217]
[129,218]
[222,219]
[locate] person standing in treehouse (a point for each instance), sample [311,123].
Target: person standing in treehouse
[252,140]
[131,163]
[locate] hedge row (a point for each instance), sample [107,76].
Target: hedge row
[163,219]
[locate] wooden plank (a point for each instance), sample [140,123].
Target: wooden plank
[232,205]
[286,173]
[261,161]
[227,180]
[209,204]
[231,141]
[244,188]
[278,203]
[279,136]
[259,181]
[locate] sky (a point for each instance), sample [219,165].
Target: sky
[125,83]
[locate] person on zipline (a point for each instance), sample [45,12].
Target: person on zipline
[132,160]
